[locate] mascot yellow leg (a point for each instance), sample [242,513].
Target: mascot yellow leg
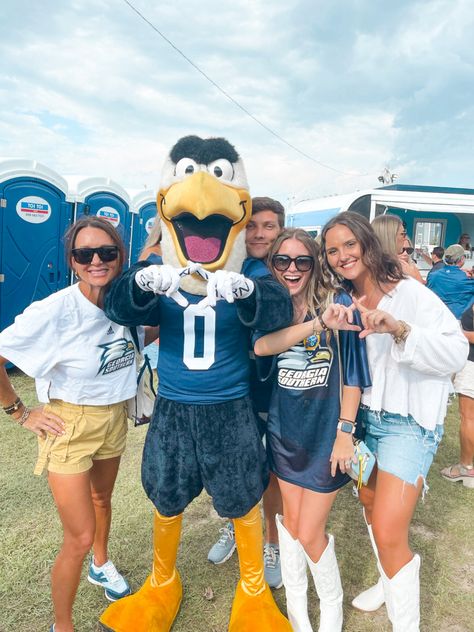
[155,606]
[254,609]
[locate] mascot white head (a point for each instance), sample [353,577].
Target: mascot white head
[204,205]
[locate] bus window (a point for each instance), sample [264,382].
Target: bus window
[429,233]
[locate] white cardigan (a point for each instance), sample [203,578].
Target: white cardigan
[414,378]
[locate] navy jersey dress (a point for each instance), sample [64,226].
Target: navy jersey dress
[305,405]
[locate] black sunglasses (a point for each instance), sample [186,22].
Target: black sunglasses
[303,263]
[409,250]
[85,255]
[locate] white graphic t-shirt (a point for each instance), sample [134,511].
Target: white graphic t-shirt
[73,350]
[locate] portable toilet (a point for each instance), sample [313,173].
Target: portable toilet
[35,211]
[102,197]
[144,212]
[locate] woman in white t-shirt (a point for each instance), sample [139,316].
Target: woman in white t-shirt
[85,369]
[419,346]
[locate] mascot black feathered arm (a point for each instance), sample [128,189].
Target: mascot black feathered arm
[205,296]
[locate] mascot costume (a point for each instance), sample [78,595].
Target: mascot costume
[205,296]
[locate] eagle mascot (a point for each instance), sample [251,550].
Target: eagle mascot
[206,296]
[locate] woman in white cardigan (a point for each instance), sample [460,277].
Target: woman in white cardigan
[419,346]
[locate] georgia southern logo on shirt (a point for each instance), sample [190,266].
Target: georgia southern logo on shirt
[304,367]
[116,355]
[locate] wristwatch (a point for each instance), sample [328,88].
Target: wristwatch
[346,426]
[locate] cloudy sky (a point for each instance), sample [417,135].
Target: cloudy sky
[88,87]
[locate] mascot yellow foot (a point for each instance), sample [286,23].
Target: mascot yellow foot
[151,609]
[254,609]
[256,613]
[155,606]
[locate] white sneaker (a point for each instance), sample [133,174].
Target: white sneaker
[110,579]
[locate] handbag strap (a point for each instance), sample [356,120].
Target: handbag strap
[134,333]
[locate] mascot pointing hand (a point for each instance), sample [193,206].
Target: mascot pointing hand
[206,296]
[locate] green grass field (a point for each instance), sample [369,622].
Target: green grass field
[30,534]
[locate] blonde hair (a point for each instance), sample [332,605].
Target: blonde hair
[386,228]
[316,293]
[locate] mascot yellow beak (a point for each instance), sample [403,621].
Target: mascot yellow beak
[203,212]
[204,217]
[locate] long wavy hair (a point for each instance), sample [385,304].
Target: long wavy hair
[383,267]
[386,228]
[316,292]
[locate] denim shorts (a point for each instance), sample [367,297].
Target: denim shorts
[402,447]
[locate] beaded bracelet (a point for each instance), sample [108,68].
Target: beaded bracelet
[12,408]
[24,416]
[323,324]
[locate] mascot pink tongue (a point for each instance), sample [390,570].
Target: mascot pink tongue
[203,413]
[202,250]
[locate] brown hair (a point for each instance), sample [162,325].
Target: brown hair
[384,267]
[91,221]
[316,291]
[260,204]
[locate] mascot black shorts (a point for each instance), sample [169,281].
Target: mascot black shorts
[215,446]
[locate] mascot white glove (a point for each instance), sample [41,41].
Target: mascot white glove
[165,280]
[225,285]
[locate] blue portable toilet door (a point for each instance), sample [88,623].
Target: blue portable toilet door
[34,217]
[110,207]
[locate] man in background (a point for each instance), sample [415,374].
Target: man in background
[436,260]
[452,284]
[266,223]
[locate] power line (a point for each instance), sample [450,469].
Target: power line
[234,101]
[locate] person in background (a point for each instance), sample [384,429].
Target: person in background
[85,369]
[451,283]
[408,264]
[465,241]
[435,260]
[152,248]
[464,387]
[414,345]
[393,236]
[266,223]
[311,422]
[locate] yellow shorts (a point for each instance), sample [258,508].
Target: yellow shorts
[92,433]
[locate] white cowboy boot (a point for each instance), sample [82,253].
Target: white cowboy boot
[295,580]
[402,596]
[327,580]
[372,598]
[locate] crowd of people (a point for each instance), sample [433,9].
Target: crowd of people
[369,354]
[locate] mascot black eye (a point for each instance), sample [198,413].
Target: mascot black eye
[185,167]
[221,169]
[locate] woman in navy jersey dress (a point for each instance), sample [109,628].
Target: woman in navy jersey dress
[311,422]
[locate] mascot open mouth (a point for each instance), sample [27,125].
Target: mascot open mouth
[202,241]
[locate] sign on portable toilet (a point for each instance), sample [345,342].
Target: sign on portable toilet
[35,211]
[102,197]
[144,213]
